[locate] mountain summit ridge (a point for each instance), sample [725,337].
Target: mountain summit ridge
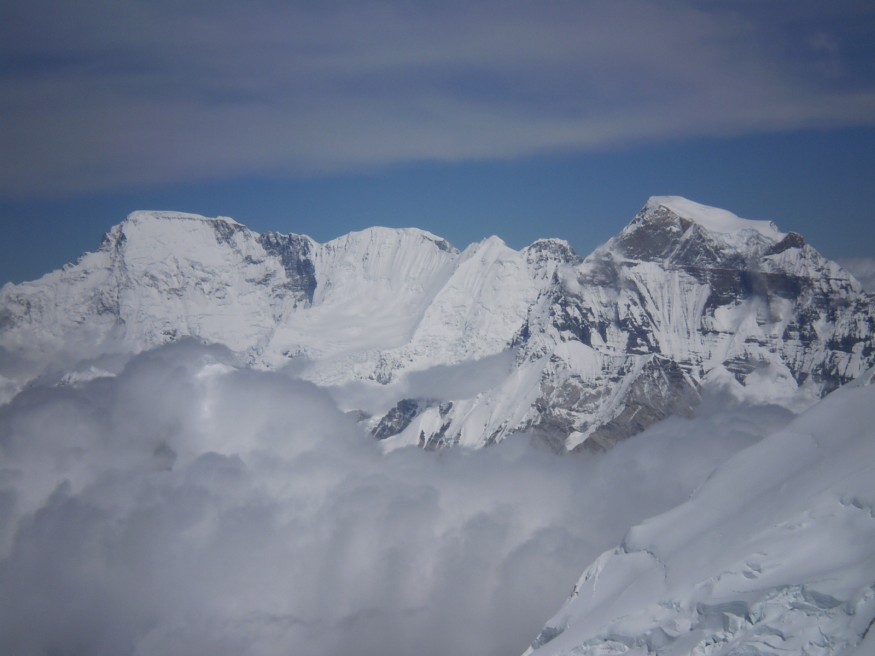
[599,348]
[712,218]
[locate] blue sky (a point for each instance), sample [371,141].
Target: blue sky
[522,119]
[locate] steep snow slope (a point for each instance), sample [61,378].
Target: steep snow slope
[481,307]
[157,276]
[684,296]
[774,554]
[372,288]
[160,276]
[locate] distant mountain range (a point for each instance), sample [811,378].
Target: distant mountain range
[577,352]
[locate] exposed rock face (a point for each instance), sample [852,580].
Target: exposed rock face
[662,389]
[685,296]
[294,253]
[398,418]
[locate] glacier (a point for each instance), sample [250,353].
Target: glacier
[773,554]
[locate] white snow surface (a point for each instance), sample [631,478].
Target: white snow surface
[774,554]
[713,218]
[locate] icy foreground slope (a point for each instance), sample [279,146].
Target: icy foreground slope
[774,554]
[433,346]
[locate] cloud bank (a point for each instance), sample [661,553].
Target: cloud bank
[99,97]
[187,506]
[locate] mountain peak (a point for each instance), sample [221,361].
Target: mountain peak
[712,219]
[139,216]
[557,250]
[672,229]
[384,235]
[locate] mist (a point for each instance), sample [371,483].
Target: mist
[190,506]
[436,383]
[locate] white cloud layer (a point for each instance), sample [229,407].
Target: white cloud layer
[102,96]
[189,507]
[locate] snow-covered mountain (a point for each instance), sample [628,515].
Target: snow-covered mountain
[774,554]
[578,352]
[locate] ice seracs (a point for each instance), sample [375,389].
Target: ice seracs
[774,554]
[600,347]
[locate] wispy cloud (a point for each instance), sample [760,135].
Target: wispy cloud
[98,96]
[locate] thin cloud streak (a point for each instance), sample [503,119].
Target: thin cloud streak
[97,98]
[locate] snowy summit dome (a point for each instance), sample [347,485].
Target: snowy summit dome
[712,218]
